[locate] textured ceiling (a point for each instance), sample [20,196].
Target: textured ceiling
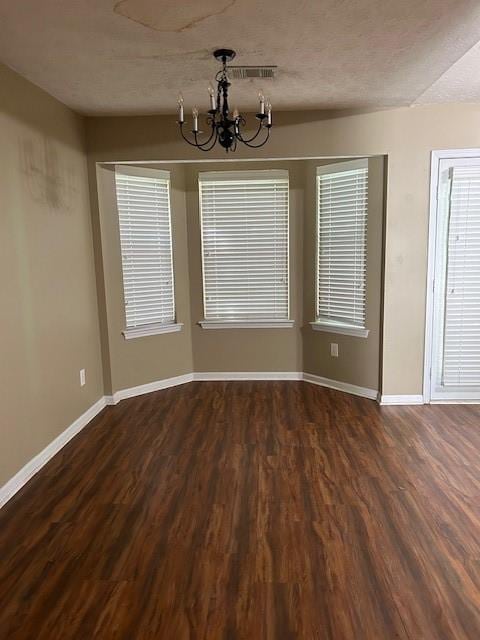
[133,56]
[459,83]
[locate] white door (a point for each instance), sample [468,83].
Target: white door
[455,344]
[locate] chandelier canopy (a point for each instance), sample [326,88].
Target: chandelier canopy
[226,129]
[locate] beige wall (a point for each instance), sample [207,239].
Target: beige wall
[358,361]
[147,359]
[48,309]
[406,135]
[247,349]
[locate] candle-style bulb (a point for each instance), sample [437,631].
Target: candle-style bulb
[261,97]
[236,120]
[211,92]
[181,118]
[195,119]
[269,112]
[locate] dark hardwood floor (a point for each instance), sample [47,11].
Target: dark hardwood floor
[250,510]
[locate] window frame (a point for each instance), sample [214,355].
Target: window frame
[152,328]
[436,197]
[243,323]
[438,390]
[320,323]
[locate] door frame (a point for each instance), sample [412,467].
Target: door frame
[436,156]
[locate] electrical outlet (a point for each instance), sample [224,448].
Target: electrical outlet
[334,349]
[82,377]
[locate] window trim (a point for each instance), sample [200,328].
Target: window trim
[321,323]
[344,329]
[435,158]
[153,328]
[443,167]
[244,323]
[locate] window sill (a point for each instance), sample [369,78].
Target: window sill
[151,330]
[246,324]
[346,330]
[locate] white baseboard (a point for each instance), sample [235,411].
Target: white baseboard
[219,376]
[131,392]
[454,402]
[31,468]
[204,376]
[364,392]
[401,400]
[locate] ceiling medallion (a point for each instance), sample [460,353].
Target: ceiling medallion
[225,129]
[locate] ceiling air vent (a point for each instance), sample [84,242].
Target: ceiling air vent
[242,73]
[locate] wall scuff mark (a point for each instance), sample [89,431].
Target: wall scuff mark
[47,179]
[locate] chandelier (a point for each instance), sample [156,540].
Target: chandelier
[225,129]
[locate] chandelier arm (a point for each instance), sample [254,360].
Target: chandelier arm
[203,146]
[197,144]
[192,144]
[256,146]
[210,121]
[246,141]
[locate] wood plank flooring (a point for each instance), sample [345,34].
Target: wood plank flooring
[250,510]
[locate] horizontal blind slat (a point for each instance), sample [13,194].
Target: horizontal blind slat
[143,204]
[342,200]
[461,338]
[245,247]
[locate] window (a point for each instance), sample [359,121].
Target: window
[461,350]
[244,224]
[342,194]
[455,365]
[143,203]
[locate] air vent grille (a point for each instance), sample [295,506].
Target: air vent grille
[242,73]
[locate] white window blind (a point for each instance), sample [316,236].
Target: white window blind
[342,194]
[143,202]
[244,220]
[461,344]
